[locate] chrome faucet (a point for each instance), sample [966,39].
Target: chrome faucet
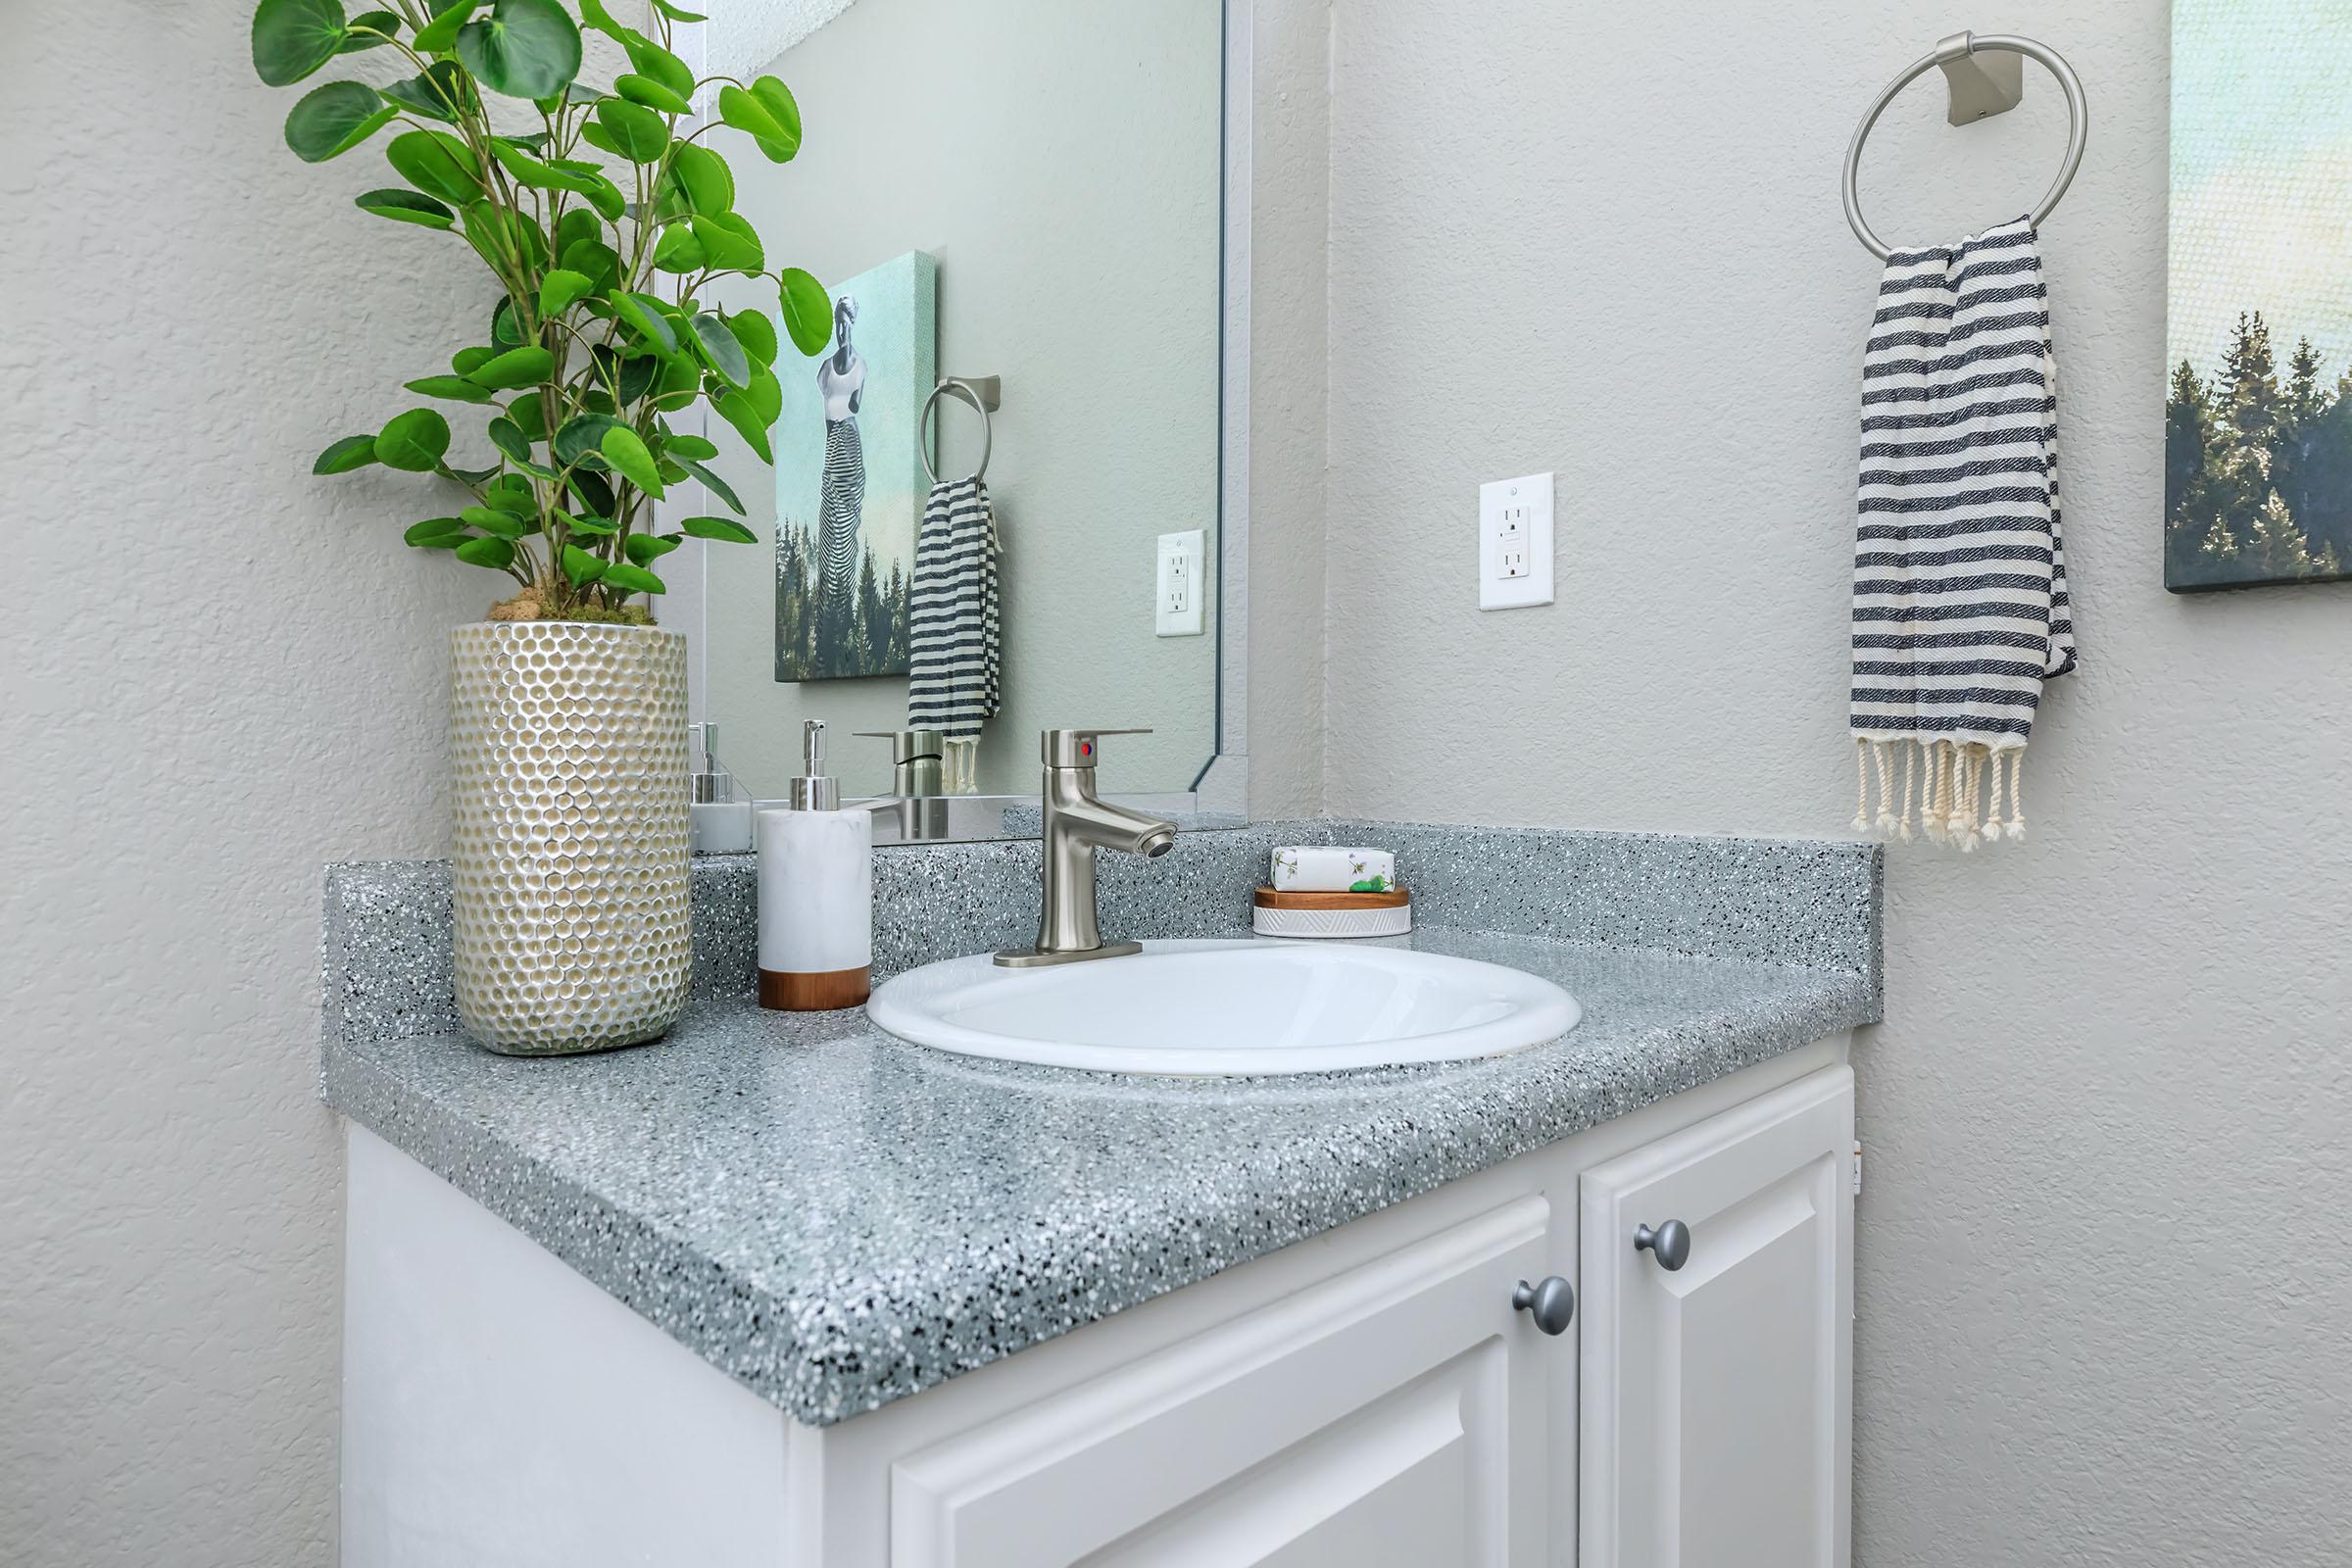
[1078,823]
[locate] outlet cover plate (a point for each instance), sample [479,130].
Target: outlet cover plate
[1177,586]
[1514,542]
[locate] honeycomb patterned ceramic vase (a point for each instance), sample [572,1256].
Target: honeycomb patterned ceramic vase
[567,743]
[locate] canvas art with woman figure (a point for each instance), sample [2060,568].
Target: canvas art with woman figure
[850,479]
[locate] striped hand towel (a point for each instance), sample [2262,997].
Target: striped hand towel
[953,640]
[1960,604]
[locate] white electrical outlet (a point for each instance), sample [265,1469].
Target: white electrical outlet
[1514,542]
[1178,589]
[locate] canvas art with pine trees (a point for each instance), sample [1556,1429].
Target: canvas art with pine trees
[2258,420]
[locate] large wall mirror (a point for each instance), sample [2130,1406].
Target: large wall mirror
[1024,197]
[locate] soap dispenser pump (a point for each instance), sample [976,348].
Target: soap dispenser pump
[719,823]
[817,891]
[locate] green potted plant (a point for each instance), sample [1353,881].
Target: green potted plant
[603,217]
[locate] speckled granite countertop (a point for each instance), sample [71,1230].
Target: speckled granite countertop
[838,1219]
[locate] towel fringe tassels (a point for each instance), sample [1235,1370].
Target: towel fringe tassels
[1963,790]
[1930,802]
[2001,795]
[1903,818]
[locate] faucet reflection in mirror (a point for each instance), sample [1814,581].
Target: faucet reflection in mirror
[1077,823]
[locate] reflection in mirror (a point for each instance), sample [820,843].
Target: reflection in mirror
[1026,190]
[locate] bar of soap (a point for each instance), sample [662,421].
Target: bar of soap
[1331,869]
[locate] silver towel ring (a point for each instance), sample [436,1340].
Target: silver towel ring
[983,393]
[1956,48]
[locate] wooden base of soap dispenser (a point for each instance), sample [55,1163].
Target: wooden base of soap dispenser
[821,991]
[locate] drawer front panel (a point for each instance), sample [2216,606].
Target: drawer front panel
[1394,1414]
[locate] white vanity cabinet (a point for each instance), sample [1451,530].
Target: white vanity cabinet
[1715,1410]
[1370,1397]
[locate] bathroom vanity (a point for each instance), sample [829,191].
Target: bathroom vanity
[783,1289]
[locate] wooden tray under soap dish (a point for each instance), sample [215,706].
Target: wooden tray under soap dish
[1331,914]
[1267,897]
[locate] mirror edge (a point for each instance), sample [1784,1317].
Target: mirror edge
[1223,784]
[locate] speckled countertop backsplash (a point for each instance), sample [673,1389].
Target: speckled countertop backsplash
[838,1218]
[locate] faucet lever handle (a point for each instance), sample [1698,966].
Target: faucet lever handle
[1075,748]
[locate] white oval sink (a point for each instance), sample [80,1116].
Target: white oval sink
[1245,1007]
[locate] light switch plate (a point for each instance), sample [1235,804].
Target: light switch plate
[1514,542]
[1178,586]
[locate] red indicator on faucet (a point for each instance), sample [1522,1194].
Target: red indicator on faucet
[1086,748]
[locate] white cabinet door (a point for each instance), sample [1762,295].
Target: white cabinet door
[1393,1415]
[1716,1427]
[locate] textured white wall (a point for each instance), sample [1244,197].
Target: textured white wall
[2104,1275]
[221,674]
[1060,158]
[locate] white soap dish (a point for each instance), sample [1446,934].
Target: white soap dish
[1331,914]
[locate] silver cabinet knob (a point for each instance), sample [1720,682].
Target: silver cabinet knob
[1552,1303]
[1671,1242]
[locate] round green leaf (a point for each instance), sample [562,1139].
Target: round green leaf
[644,315]
[506,328]
[588,523]
[441,32]
[766,394]
[703,177]
[406,206]
[578,441]
[738,108]
[536,173]
[777,100]
[453,387]
[523,49]
[756,332]
[593,13]
[710,481]
[638,133]
[291,38]
[645,90]
[720,350]
[437,94]
[351,452]
[633,579]
[513,370]
[649,59]
[529,414]
[678,251]
[508,437]
[496,522]
[435,533]
[807,310]
[335,119]
[646,548]
[736,408]
[510,492]
[363,31]
[722,528]
[498,553]
[601,193]
[414,441]
[626,451]
[580,566]
[687,446]
[561,289]
[437,163]
[729,241]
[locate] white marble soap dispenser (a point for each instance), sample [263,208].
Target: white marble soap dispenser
[816,893]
